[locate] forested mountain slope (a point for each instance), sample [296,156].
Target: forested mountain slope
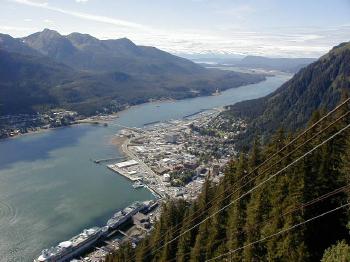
[284,209]
[25,81]
[84,52]
[318,85]
[285,200]
[79,72]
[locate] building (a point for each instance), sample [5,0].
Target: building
[126,164]
[161,170]
[140,218]
[166,178]
[172,138]
[191,164]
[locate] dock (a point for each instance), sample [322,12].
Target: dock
[154,192]
[99,161]
[122,172]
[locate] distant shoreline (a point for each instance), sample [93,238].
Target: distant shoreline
[99,119]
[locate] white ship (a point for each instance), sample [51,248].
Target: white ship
[122,216]
[76,246]
[67,250]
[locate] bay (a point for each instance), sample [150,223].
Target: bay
[50,190]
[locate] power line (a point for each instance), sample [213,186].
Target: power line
[178,226]
[279,232]
[299,207]
[270,167]
[288,155]
[254,188]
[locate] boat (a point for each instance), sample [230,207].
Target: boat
[217,92]
[122,216]
[74,247]
[137,185]
[77,245]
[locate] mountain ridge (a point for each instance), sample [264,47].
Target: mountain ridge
[316,86]
[85,52]
[126,74]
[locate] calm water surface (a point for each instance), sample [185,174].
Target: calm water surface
[50,190]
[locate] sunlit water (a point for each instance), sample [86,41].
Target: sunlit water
[50,190]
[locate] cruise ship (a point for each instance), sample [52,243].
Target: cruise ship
[122,216]
[67,250]
[76,246]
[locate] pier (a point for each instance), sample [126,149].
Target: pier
[99,161]
[135,129]
[124,173]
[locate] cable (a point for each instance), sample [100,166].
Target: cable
[269,158]
[289,154]
[279,232]
[279,151]
[299,207]
[254,188]
[270,167]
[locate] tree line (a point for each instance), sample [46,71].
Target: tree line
[260,209]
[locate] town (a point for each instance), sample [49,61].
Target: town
[172,159]
[14,125]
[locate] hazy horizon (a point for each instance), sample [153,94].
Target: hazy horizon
[192,27]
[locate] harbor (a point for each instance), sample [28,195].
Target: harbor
[156,158]
[164,153]
[136,215]
[54,170]
[129,169]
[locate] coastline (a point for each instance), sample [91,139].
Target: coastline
[83,121]
[115,140]
[105,119]
[119,142]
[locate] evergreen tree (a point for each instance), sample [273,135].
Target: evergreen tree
[217,229]
[270,208]
[237,211]
[186,240]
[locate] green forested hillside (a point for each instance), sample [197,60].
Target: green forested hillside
[84,74]
[84,52]
[270,190]
[26,80]
[319,85]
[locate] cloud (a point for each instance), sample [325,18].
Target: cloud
[223,39]
[86,16]
[285,42]
[81,1]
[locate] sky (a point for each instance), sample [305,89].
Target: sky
[274,28]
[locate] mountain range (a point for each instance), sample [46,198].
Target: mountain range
[319,85]
[289,65]
[82,73]
[281,201]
